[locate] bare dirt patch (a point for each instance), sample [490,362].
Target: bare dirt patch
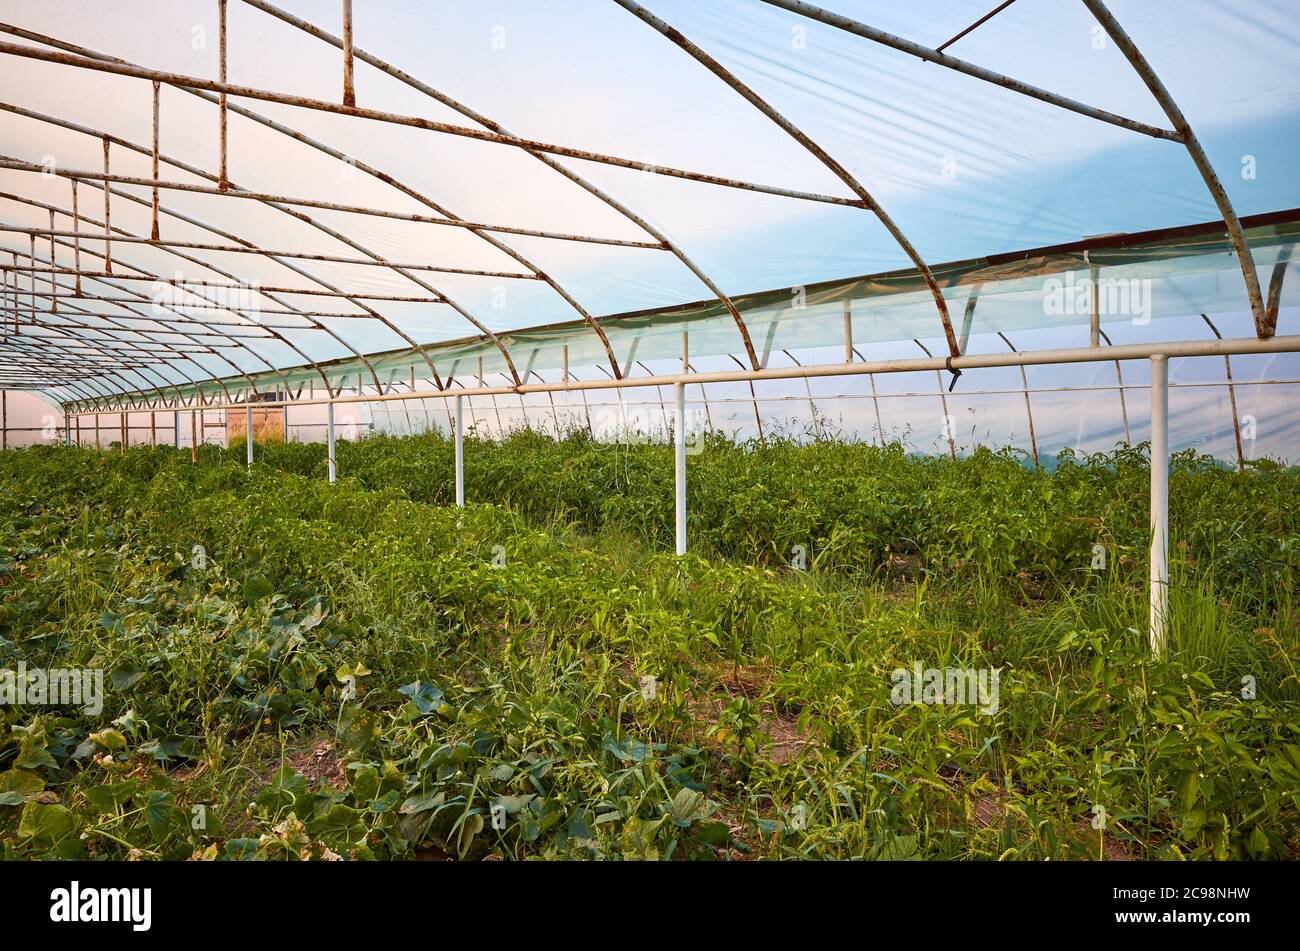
[320,764]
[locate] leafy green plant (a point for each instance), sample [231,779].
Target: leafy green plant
[298,670]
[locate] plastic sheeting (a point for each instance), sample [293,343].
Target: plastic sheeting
[968,171]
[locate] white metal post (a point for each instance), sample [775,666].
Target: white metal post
[67,431]
[329,440]
[679,452]
[460,452]
[249,418]
[1159,502]
[1094,315]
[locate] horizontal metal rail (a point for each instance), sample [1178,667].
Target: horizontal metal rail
[182,282]
[87,175]
[60,324]
[244,249]
[267,311]
[1137,351]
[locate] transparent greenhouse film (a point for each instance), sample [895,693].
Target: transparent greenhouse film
[1161,285]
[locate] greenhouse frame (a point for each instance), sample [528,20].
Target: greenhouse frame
[128,295]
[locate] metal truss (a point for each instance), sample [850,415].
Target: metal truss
[177,351]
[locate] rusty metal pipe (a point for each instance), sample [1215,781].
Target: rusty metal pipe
[265,95]
[156,184]
[296,255]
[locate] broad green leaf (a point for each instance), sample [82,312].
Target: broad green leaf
[46,824]
[161,814]
[421,803]
[109,739]
[425,697]
[18,786]
[688,805]
[256,588]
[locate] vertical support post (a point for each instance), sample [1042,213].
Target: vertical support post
[555,413]
[15,299]
[679,456]
[31,277]
[329,441]
[949,424]
[108,229]
[1029,408]
[153,231]
[758,419]
[1232,390]
[812,406]
[767,345]
[875,399]
[406,404]
[496,409]
[285,411]
[153,428]
[848,332]
[349,92]
[194,435]
[586,407]
[460,451]
[124,434]
[4,419]
[1159,503]
[67,431]
[1119,387]
[223,181]
[54,284]
[1029,414]
[1274,299]
[949,421]
[176,429]
[1236,420]
[76,241]
[249,435]
[1094,315]
[1123,403]
[97,444]
[968,318]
